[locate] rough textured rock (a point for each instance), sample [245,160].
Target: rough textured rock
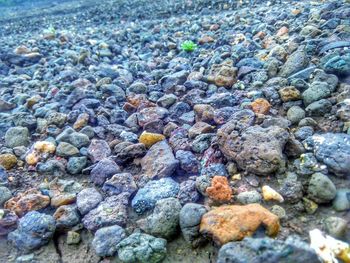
[98,150]
[219,190]
[159,161]
[146,197]
[104,170]
[34,230]
[142,248]
[106,240]
[321,189]
[120,183]
[233,222]
[255,250]
[17,136]
[164,220]
[255,149]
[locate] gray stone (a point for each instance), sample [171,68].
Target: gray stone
[296,62]
[318,108]
[335,226]
[76,164]
[341,201]
[295,114]
[321,189]
[5,194]
[120,183]
[249,197]
[17,136]
[88,199]
[106,240]
[104,170]
[66,150]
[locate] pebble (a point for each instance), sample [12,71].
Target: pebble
[270,194]
[106,240]
[321,189]
[341,201]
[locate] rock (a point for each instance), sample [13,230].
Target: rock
[17,136]
[88,199]
[106,240]
[159,161]
[261,106]
[120,183]
[292,189]
[34,230]
[270,194]
[188,192]
[256,150]
[219,190]
[333,149]
[289,93]
[30,200]
[188,162]
[199,128]
[98,150]
[76,164]
[223,74]
[146,197]
[8,222]
[3,177]
[190,218]
[341,202]
[295,114]
[104,170]
[169,82]
[66,217]
[44,147]
[142,248]
[149,138]
[317,91]
[164,220]
[267,250]
[73,238]
[8,161]
[66,150]
[336,64]
[5,194]
[249,197]
[278,211]
[233,222]
[321,189]
[335,226]
[318,108]
[111,211]
[296,62]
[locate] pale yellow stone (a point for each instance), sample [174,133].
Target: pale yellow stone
[44,147]
[149,138]
[270,194]
[32,159]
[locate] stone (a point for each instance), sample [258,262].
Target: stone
[159,161]
[270,194]
[223,74]
[188,162]
[103,170]
[333,149]
[199,128]
[130,152]
[111,211]
[143,248]
[106,240]
[249,197]
[296,62]
[190,219]
[341,202]
[73,238]
[188,192]
[310,206]
[120,183]
[295,114]
[34,230]
[149,138]
[88,199]
[257,150]
[98,150]
[17,136]
[291,189]
[66,150]
[267,250]
[8,222]
[5,194]
[8,160]
[335,226]
[146,197]
[289,94]
[76,164]
[164,220]
[261,106]
[321,189]
[66,217]
[29,200]
[220,189]
[44,147]
[234,222]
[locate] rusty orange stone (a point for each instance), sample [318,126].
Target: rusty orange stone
[282,31]
[220,189]
[261,106]
[234,222]
[205,39]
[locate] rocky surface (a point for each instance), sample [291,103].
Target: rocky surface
[140,131]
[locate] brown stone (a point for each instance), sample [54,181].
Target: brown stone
[261,106]
[223,74]
[234,222]
[8,161]
[81,121]
[199,128]
[282,31]
[219,190]
[30,200]
[289,93]
[63,199]
[204,112]
[205,39]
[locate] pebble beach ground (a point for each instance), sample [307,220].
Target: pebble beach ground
[175,131]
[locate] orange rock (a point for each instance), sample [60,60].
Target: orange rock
[260,35]
[234,222]
[261,106]
[282,31]
[223,75]
[81,121]
[30,200]
[220,189]
[205,39]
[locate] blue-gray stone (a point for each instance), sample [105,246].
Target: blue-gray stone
[106,240]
